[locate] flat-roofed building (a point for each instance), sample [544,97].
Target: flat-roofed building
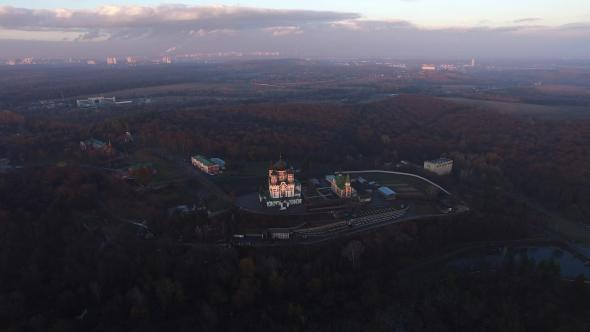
[204,164]
[95,102]
[219,162]
[428,67]
[94,146]
[131,60]
[440,166]
[280,235]
[387,192]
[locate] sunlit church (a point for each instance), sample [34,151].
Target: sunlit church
[283,189]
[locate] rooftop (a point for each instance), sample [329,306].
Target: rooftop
[218,161]
[94,142]
[386,191]
[440,161]
[204,160]
[280,165]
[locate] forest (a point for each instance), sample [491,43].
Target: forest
[59,275]
[69,263]
[488,148]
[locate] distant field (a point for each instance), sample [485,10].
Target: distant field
[564,89]
[525,109]
[169,89]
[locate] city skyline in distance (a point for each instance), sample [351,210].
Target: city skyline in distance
[404,29]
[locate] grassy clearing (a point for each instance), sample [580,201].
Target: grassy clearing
[425,208]
[166,171]
[403,182]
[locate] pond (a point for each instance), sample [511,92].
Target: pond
[492,258]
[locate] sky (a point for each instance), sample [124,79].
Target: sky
[298,28]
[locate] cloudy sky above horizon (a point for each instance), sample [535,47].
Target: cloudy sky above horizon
[298,28]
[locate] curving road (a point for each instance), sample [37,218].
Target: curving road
[397,173]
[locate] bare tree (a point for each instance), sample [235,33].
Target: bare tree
[353,251]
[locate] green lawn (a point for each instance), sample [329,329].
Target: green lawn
[393,180]
[425,208]
[166,171]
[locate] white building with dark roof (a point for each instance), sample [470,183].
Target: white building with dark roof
[96,102]
[441,166]
[204,164]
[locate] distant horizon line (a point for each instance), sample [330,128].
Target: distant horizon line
[249,56]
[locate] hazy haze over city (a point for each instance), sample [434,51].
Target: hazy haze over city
[402,29]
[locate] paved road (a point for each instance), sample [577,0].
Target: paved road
[397,173]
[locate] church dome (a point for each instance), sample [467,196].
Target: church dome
[280,165]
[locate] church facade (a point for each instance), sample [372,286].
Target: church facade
[283,189]
[341,186]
